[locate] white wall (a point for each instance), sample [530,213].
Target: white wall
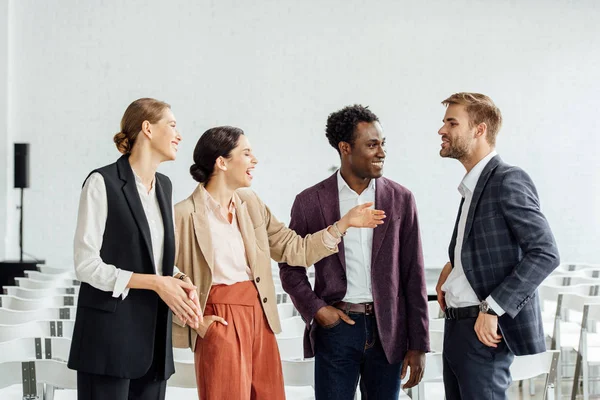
[4,138]
[277,69]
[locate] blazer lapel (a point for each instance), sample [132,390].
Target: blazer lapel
[329,199]
[485,176]
[201,227]
[247,231]
[384,197]
[164,203]
[135,204]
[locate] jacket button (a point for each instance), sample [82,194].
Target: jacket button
[265,300]
[257,279]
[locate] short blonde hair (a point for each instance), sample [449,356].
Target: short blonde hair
[480,109]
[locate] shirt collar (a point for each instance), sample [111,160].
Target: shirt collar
[469,182]
[213,205]
[342,185]
[139,182]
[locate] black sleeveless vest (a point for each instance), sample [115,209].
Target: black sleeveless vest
[122,338]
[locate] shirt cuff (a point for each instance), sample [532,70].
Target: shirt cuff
[121,288]
[330,241]
[494,306]
[175,270]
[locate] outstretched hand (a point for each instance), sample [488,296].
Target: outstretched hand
[362,216]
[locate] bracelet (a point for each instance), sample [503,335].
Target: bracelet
[182,276]
[337,230]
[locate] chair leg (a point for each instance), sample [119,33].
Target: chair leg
[531,387]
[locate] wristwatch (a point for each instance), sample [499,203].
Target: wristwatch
[485,308]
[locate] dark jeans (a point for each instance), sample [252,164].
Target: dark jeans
[472,370]
[344,352]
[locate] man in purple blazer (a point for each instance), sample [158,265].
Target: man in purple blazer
[367,314]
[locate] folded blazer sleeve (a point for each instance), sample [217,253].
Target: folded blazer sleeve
[288,246]
[521,210]
[294,279]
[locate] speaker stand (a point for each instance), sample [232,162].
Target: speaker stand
[21,229]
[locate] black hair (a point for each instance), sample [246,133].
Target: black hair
[214,143]
[341,124]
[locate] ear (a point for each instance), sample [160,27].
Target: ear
[345,148]
[221,164]
[147,129]
[480,130]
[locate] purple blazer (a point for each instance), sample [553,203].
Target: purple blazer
[398,278]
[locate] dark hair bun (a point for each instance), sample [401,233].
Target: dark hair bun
[122,143]
[198,174]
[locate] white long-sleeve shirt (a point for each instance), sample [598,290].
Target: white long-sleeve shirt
[459,292]
[358,245]
[91,221]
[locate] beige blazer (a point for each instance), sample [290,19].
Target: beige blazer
[264,237]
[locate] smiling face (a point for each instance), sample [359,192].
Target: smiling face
[366,155]
[458,137]
[239,165]
[165,136]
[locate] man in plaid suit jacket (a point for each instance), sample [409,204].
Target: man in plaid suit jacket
[501,250]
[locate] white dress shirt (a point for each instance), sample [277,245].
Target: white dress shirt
[91,221]
[459,292]
[358,245]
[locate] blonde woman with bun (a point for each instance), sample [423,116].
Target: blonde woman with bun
[124,254]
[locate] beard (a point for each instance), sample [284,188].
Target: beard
[457,148]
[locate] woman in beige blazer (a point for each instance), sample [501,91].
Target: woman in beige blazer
[226,240]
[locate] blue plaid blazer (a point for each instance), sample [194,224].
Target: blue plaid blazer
[508,250]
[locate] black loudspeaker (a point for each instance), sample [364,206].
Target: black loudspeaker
[21,165]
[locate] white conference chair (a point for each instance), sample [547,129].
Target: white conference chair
[13,317]
[531,366]
[30,283]
[588,350]
[62,328]
[17,303]
[436,340]
[40,276]
[294,326]
[184,376]
[434,309]
[32,374]
[287,310]
[290,347]
[183,355]
[48,269]
[26,293]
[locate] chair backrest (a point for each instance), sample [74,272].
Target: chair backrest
[21,349]
[185,355]
[47,269]
[26,293]
[40,276]
[436,340]
[184,376]
[531,366]
[63,328]
[298,372]
[291,347]
[287,310]
[13,317]
[434,309]
[29,283]
[50,372]
[17,303]
[294,326]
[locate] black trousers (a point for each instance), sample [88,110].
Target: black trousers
[151,386]
[472,370]
[102,387]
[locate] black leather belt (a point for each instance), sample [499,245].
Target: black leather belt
[462,312]
[361,308]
